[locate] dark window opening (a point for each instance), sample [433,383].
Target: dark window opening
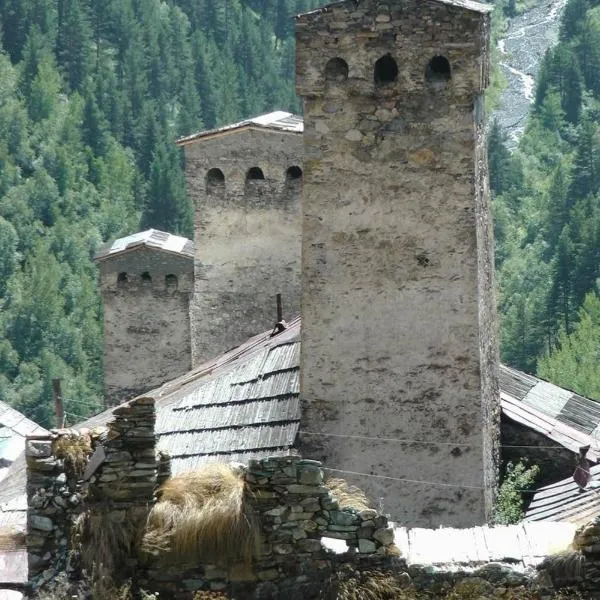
[438,70]
[122,280]
[336,70]
[386,70]
[255,174]
[146,277]
[215,179]
[171,282]
[294,174]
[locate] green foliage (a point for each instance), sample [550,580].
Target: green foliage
[93,96]
[509,503]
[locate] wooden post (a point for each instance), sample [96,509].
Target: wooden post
[279,309]
[58,403]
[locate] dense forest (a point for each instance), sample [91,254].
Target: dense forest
[92,97]
[547,215]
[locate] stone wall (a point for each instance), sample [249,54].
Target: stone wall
[398,329]
[247,235]
[146,320]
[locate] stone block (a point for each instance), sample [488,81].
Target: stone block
[310,474]
[384,536]
[38,448]
[366,546]
[39,522]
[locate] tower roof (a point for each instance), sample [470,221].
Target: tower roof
[275,121]
[151,238]
[469,5]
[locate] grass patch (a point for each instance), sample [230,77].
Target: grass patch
[350,584]
[204,516]
[347,495]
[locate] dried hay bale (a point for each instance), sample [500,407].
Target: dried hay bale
[347,495]
[204,514]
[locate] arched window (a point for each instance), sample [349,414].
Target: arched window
[336,69]
[146,278]
[255,174]
[171,283]
[215,180]
[293,174]
[438,70]
[122,280]
[386,70]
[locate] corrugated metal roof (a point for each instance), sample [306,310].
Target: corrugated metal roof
[563,501]
[277,121]
[151,238]
[567,418]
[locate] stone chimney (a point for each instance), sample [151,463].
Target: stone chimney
[245,181]
[399,343]
[146,281]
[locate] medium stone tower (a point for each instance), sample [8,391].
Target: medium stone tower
[245,181]
[146,283]
[399,344]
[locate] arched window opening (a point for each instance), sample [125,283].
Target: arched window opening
[122,280]
[215,179]
[255,174]
[336,69]
[171,283]
[293,174]
[146,278]
[438,70]
[386,70]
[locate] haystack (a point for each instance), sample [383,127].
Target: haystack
[204,515]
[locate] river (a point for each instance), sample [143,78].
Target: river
[521,50]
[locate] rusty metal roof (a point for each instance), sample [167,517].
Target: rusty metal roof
[561,415]
[151,238]
[276,121]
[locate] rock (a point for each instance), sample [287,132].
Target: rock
[384,536]
[41,523]
[344,517]
[310,545]
[283,549]
[366,546]
[39,448]
[268,574]
[367,514]
[354,135]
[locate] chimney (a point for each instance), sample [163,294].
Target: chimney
[399,354]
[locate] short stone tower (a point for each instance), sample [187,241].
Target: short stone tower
[245,181]
[146,283]
[399,344]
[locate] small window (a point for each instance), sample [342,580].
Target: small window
[255,174]
[215,180]
[386,70]
[438,70]
[293,174]
[336,70]
[171,283]
[122,280]
[146,278]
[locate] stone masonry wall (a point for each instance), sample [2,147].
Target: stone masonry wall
[247,236]
[398,328]
[146,322]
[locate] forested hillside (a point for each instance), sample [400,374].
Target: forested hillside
[92,96]
[547,215]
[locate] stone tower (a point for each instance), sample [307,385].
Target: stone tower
[399,334]
[146,283]
[245,181]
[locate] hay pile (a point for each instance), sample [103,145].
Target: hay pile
[203,515]
[347,495]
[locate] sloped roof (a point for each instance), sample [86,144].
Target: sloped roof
[469,5]
[562,501]
[563,416]
[151,238]
[241,405]
[275,121]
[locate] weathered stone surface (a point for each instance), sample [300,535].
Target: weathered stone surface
[310,475]
[384,536]
[40,522]
[38,448]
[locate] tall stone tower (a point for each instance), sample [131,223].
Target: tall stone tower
[146,283]
[245,181]
[399,344]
